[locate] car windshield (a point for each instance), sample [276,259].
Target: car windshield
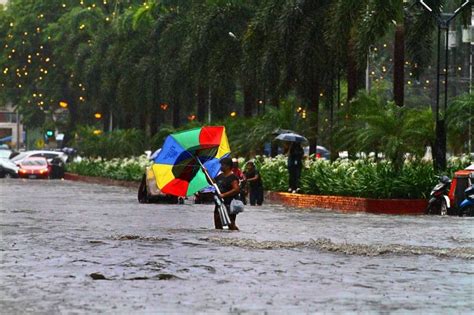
[19,157]
[5,154]
[34,162]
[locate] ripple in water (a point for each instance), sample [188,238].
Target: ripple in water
[347,248]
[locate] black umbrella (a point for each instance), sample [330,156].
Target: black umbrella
[291,137]
[279,131]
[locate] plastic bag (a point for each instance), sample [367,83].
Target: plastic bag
[236,206]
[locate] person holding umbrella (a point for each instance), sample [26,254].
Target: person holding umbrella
[295,158]
[229,188]
[295,164]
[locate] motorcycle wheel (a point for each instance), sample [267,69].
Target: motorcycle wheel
[443,208]
[431,209]
[466,211]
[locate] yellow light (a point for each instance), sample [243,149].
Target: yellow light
[26,33]
[82,27]
[107,19]
[63,104]
[321,94]
[98,115]
[97,132]
[233,114]
[5,71]
[64,5]
[409,82]
[11,24]
[47,59]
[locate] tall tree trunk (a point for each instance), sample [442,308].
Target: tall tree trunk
[202,99]
[249,100]
[176,114]
[313,142]
[399,65]
[73,115]
[352,73]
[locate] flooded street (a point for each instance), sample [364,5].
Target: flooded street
[57,236]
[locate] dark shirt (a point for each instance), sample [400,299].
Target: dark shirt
[254,183]
[225,184]
[295,156]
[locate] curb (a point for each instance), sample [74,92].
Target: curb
[351,204]
[101,180]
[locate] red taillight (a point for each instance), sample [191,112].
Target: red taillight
[22,171]
[43,171]
[318,155]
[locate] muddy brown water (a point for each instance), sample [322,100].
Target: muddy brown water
[68,247]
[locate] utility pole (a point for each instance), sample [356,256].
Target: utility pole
[18,135]
[443,20]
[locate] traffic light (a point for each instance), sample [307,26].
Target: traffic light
[49,133]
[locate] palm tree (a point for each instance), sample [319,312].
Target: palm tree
[384,127]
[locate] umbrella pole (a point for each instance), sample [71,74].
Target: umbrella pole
[225,220]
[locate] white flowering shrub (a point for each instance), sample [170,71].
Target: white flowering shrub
[131,169]
[362,177]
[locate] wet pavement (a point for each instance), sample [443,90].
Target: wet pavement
[68,247]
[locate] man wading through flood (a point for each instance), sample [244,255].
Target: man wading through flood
[228,184]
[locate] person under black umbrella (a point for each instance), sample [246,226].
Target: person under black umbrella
[295,164]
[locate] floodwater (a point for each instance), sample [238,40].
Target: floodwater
[68,247]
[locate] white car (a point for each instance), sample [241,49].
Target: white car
[8,168]
[49,155]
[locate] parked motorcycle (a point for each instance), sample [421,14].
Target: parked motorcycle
[466,208]
[439,202]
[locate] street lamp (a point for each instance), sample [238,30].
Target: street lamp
[443,20]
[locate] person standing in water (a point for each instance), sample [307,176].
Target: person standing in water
[295,164]
[254,182]
[229,187]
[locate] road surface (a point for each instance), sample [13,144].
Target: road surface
[69,247]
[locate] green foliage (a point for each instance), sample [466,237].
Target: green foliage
[131,169]
[460,115]
[371,124]
[118,143]
[359,178]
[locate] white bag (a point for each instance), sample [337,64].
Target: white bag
[236,206]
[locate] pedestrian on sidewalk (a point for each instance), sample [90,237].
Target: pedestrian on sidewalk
[255,185]
[295,164]
[229,187]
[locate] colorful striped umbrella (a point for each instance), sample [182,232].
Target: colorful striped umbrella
[177,167]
